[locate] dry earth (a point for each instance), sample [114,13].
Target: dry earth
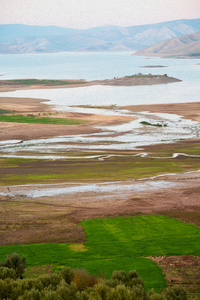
[55,219]
[36,107]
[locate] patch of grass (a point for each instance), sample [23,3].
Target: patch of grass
[153,124]
[48,82]
[35,271]
[189,147]
[4,111]
[39,120]
[119,244]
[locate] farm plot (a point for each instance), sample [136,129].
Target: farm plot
[121,243]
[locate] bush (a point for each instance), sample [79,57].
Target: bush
[68,275]
[83,279]
[13,262]
[6,273]
[120,276]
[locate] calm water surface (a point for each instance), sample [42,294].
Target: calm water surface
[76,65]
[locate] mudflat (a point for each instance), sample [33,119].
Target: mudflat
[187,110]
[38,107]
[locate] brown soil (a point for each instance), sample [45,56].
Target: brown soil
[29,220]
[182,271]
[187,110]
[36,107]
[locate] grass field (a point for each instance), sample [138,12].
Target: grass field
[39,120]
[118,243]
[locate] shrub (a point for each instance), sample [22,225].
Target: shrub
[6,273]
[13,262]
[66,291]
[101,289]
[174,293]
[68,275]
[120,276]
[121,293]
[83,279]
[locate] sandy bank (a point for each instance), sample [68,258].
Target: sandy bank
[26,106]
[189,110]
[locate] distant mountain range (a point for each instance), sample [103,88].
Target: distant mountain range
[187,46]
[18,38]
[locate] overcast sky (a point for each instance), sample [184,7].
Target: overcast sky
[91,13]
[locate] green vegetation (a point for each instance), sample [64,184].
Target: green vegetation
[152,124]
[14,263]
[78,284]
[48,82]
[119,243]
[140,75]
[114,168]
[4,111]
[39,120]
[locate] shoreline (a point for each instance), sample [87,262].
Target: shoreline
[35,107]
[134,80]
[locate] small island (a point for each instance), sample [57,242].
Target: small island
[153,66]
[136,79]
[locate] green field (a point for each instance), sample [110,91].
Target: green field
[39,120]
[121,243]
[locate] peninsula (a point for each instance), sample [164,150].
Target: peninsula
[137,79]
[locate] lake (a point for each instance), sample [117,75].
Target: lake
[100,65]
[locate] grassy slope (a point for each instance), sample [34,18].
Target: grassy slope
[119,243]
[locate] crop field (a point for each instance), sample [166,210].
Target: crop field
[118,243]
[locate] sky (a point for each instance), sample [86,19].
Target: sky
[81,14]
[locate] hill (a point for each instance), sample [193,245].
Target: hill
[18,38]
[187,46]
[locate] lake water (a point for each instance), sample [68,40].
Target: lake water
[90,66]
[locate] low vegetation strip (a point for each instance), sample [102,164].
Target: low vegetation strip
[119,243]
[19,171]
[39,120]
[47,82]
